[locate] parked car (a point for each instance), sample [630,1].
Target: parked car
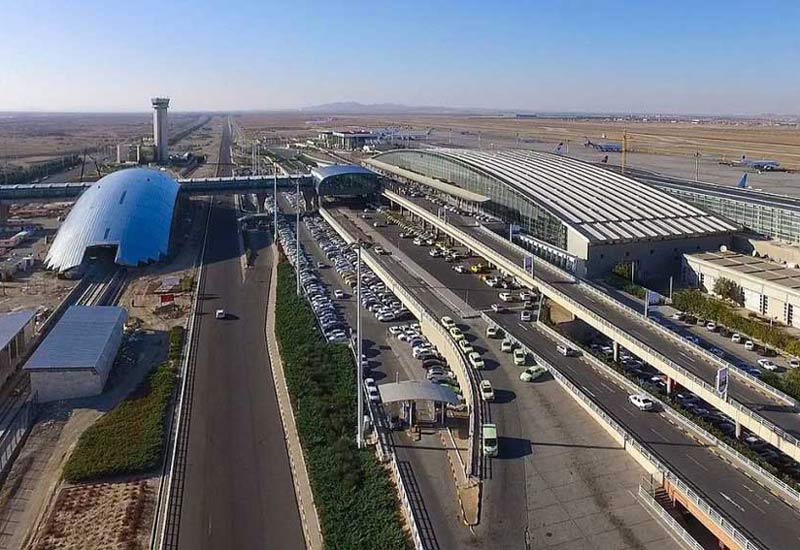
[486,390]
[532,373]
[219,314]
[566,351]
[460,268]
[525,315]
[507,345]
[519,357]
[489,437]
[642,402]
[475,360]
[372,389]
[338,294]
[448,323]
[794,362]
[506,296]
[711,325]
[736,338]
[497,308]
[749,345]
[456,334]
[465,346]
[492,331]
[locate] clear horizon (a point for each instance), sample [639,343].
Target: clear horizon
[714,58]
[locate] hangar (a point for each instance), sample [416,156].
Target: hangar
[129,212]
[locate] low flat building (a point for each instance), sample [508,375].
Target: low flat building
[769,288]
[78,353]
[16,334]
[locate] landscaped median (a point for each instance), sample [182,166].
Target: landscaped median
[353,492]
[129,439]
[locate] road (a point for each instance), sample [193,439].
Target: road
[748,505]
[769,407]
[559,477]
[238,484]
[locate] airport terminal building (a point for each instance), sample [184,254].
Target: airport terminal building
[599,218]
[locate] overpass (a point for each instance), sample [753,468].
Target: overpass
[752,404]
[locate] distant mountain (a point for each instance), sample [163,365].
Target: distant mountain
[355,108]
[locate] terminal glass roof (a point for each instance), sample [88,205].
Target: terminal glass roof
[599,204]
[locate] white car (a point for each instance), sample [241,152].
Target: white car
[736,337]
[749,345]
[519,357]
[794,362]
[394,330]
[339,294]
[767,364]
[475,360]
[372,389]
[711,325]
[642,402]
[456,334]
[497,308]
[219,314]
[465,346]
[492,331]
[506,296]
[566,351]
[460,268]
[487,392]
[678,316]
[525,315]
[507,346]
[526,296]
[448,323]
[532,373]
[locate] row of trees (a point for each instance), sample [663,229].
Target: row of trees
[697,303]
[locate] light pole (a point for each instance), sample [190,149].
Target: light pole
[275,200]
[297,237]
[359,364]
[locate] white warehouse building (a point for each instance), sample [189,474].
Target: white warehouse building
[769,288]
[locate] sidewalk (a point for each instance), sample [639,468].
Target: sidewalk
[302,484]
[469,490]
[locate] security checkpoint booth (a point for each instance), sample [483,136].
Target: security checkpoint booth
[434,398]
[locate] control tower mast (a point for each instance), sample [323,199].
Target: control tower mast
[160,135]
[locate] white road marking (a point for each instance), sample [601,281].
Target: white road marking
[659,434]
[753,504]
[588,391]
[700,464]
[729,499]
[606,386]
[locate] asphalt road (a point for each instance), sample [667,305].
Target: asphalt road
[514,488]
[238,484]
[775,411]
[748,505]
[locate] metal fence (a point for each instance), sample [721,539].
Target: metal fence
[666,518]
[15,432]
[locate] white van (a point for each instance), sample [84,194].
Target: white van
[564,350]
[489,438]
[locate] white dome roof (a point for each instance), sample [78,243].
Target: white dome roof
[131,209]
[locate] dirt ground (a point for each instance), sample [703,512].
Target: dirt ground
[100,516]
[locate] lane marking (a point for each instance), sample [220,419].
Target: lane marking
[729,499]
[700,464]
[659,434]
[588,391]
[753,504]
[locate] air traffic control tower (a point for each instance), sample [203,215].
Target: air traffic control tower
[160,136]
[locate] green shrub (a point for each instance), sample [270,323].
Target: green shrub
[130,438]
[626,286]
[176,335]
[354,495]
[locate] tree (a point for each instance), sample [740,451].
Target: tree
[729,290]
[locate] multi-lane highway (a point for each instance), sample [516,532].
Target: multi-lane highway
[238,490]
[747,504]
[559,477]
[767,406]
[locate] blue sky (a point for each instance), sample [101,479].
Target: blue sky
[704,56]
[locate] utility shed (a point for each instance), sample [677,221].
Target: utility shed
[16,334]
[76,357]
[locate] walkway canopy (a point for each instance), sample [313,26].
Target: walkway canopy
[417,391]
[345,180]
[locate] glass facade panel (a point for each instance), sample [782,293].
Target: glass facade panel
[505,203]
[775,222]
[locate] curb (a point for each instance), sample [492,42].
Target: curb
[302,485]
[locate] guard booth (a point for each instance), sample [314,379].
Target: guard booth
[419,401]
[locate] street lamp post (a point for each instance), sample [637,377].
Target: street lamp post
[275,201]
[297,237]
[359,365]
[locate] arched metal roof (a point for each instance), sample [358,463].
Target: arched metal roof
[416,391]
[131,209]
[344,179]
[599,204]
